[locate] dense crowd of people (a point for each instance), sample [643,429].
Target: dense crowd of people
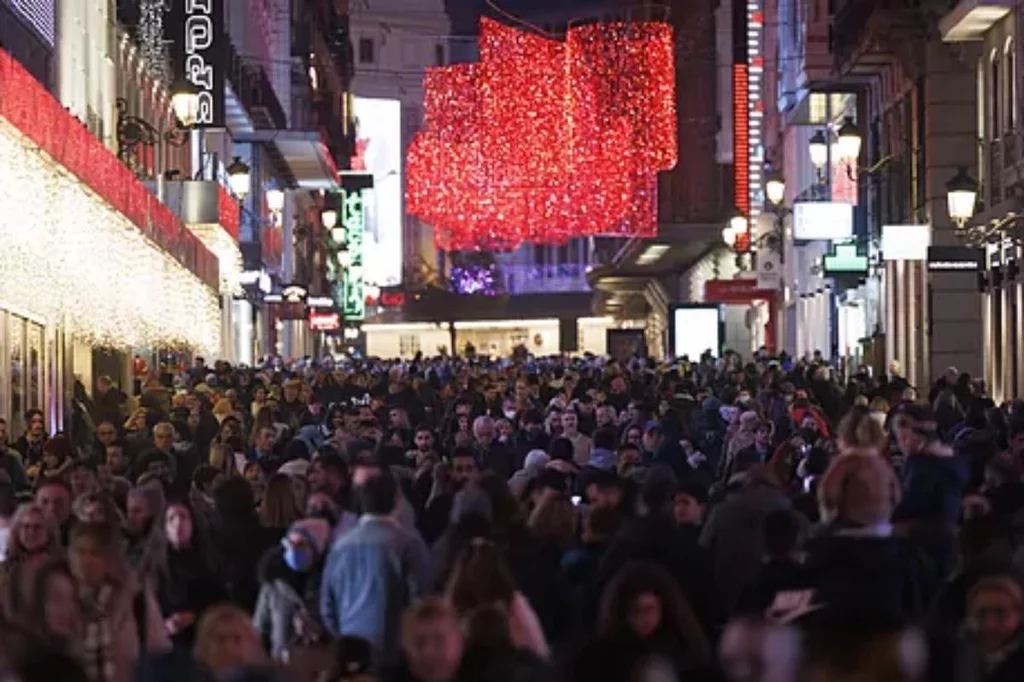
[463,520]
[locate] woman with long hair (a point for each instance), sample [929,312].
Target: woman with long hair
[121,620]
[481,577]
[226,642]
[185,580]
[279,509]
[34,539]
[644,616]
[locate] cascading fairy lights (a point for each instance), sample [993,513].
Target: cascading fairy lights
[70,258]
[83,243]
[544,140]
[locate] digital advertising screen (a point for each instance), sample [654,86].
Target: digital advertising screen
[379,153]
[697,329]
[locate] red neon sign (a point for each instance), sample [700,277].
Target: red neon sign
[324,322]
[741,137]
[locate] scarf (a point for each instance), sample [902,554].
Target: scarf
[97,638]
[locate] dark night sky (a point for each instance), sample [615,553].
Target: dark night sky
[465,13]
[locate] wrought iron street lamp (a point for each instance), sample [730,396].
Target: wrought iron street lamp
[238,177]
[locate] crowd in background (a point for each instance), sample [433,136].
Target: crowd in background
[455,520]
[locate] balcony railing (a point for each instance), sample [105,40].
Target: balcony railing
[537,279]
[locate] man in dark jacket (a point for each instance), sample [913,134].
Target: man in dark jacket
[656,537]
[491,454]
[531,435]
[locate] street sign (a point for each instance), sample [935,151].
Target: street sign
[845,259]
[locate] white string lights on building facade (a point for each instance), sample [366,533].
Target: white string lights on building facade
[73,260]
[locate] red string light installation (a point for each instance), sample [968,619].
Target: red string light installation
[545,140]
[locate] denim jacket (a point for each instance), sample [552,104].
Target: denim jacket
[373,573]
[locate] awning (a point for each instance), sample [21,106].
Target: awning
[303,152]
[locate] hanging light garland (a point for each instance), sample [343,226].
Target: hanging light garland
[71,259]
[544,140]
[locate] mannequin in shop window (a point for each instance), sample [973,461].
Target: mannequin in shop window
[31,444]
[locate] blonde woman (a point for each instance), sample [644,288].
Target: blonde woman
[226,641]
[34,539]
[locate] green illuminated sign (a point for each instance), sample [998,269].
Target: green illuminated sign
[353,221]
[845,260]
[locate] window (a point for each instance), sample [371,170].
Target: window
[439,55]
[366,51]
[408,344]
[994,106]
[1011,88]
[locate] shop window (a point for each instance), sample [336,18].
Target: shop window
[408,344]
[367,51]
[17,376]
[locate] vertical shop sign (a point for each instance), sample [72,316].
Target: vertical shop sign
[353,220]
[199,54]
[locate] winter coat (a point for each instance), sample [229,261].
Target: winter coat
[372,574]
[187,584]
[130,639]
[734,537]
[239,545]
[285,597]
[886,576]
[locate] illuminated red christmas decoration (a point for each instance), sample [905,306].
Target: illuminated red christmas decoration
[544,140]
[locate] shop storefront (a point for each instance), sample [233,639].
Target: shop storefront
[88,257]
[494,338]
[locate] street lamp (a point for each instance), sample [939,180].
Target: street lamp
[238,177]
[849,141]
[344,259]
[185,102]
[729,236]
[961,196]
[775,187]
[275,200]
[818,147]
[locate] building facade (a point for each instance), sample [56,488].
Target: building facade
[987,37]
[882,70]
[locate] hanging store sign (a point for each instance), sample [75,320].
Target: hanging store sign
[822,221]
[845,259]
[769,269]
[955,259]
[353,221]
[198,46]
[324,322]
[319,301]
[294,293]
[906,242]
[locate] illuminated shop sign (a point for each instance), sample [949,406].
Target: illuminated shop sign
[324,322]
[353,222]
[198,47]
[955,259]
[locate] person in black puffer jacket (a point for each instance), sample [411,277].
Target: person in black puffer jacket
[857,563]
